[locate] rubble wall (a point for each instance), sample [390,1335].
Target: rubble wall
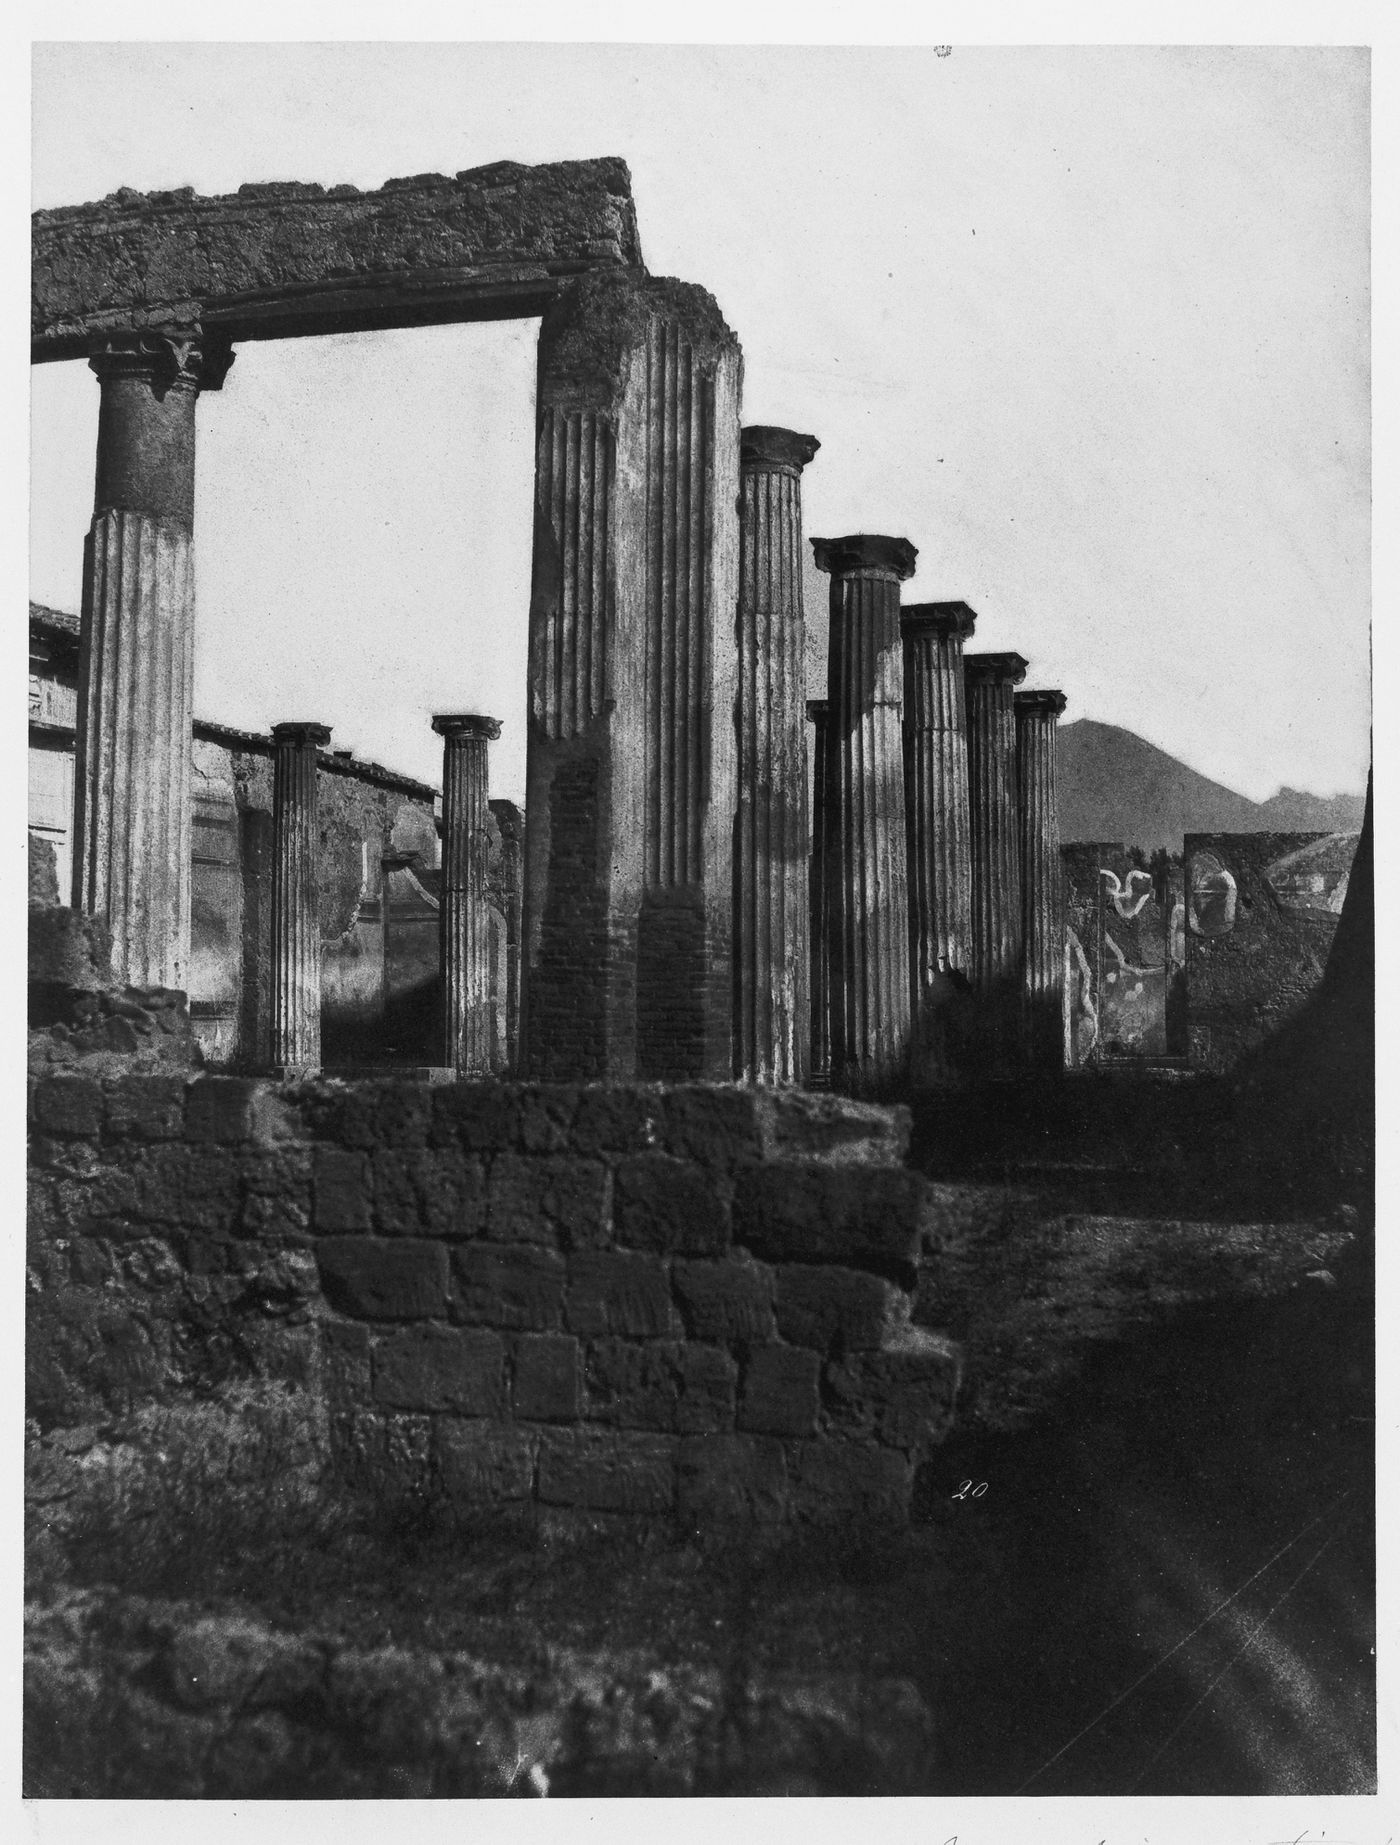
[1261,912]
[690,1302]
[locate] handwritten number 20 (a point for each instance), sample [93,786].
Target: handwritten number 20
[976,1491]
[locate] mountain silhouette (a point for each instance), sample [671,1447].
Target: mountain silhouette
[1115,786]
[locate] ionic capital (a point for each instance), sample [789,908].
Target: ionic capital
[865,551]
[455,725]
[994,668]
[301,735]
[171,357]
[947,620]
[1039,702]
[763,448]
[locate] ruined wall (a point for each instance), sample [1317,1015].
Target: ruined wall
[1262,909]
[690,1302]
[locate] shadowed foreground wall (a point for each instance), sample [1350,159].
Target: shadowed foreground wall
[689,1301]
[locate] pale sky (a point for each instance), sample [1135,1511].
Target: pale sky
[1088,326]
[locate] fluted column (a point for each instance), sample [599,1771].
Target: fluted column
[770,829]
[997,928]
[510,823]
[464,918]
[819,1067]
[132,801]
[939,827]
[1042,886]
[296,909]
[630,763]
[866,869]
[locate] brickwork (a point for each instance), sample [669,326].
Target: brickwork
[683,1302]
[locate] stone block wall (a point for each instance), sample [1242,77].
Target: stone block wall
[689,1303]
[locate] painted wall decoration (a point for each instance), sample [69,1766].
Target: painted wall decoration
[1125,955]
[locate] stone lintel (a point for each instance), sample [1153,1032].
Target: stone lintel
[1040,699]
[764,447]
[467,724]
[951,620]
[869,551]
[288,259]
[302,734]
[995,668]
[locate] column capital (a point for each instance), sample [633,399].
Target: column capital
[948,620]
[842,557]
[765,448]
[1040,701]
[467,724]
[817,709]
[175,356]
[300,734]
[994,668]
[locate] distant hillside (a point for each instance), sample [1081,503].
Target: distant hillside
[1114,786]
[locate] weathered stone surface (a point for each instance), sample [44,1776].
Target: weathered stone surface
[939,827]
[463,914]
[780,1391]
[521,1289]
[902,1395]
[836,1482]
[630,770]
[146,1107]
[670,1206]
[374,1280]
[666,1385]
[341,1182]
[626,1295]
[730,1479]
[546,1378]
[835,1130]
[997,923]
[269,262]
[561,1200]
[296,924]
[837,1308]
[482,1466]
[221,1108]
[435,1367]
[1042,877]
[607,1471]
[858,1217]
[423,1189]
[729,1303]
[771,1024]
[865,853]
[69,1105]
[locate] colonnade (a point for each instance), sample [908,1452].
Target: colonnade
[689,911]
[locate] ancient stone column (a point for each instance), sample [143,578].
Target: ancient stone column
[867,903]
[296,908]
[1042,887]
[771,895]
[997,926]
[939,828]
[463,913]
[132,820]
[510,823]
[819,1068]
[630,762]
